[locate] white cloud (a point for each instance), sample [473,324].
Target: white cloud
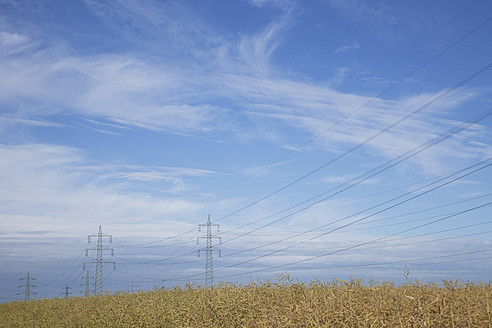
[116,88]
[315,108]
[130,90]
[254,51]
[12,39]
[9,122]
[347,47]
[166,29]
[173,175]
[262,170]
[284,4]
[53,188]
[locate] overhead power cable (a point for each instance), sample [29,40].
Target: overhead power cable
[476,28]
[385,166]
[428,209]
[345,248]
[433,233]
[186,278]
[159,240]
[381,219]
[77,257]
[354,148]
[371,173]
[356,110]
[446,256]
[398,239]
[157,261]
[154,279]
[485,164]
[376,206]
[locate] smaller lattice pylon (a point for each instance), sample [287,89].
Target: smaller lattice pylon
[87,284]
[132,288]
[28,285]
[67,290]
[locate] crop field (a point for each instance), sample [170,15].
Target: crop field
[284,303]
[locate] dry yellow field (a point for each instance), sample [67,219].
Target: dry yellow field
[268,304]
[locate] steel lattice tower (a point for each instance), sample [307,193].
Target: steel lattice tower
[67,290]
[98,283]
[28,285]
[87,284]
[209,249]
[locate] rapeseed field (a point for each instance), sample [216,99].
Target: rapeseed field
[283,303]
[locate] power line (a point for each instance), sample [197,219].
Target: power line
[373,172]
[352,246]
[406,261]
[354,148]
[419,260]
[356,110]
[287,235]
[70,266]
[158,241]
[376,220]
[400,223]
[193,251]
[144,245]
[426,210]
[483,163]
[426,234]
[156,262]
[153,279]
[434,240]
[379,211]
[393,162]
[433,58]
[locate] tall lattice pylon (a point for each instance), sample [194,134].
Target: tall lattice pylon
[87,284]
[209,249]
[28,285]
[98,281]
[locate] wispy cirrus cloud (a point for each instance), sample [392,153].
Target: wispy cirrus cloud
[116,88]
[318,108]
[134,89]
[169,29]
[197,93]
[347,47]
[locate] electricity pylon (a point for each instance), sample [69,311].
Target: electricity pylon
[28,285]
[87,284]
[67,292]
[98,283]
[132,288]
[209,249]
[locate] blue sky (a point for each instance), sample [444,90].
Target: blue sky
[280,119]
